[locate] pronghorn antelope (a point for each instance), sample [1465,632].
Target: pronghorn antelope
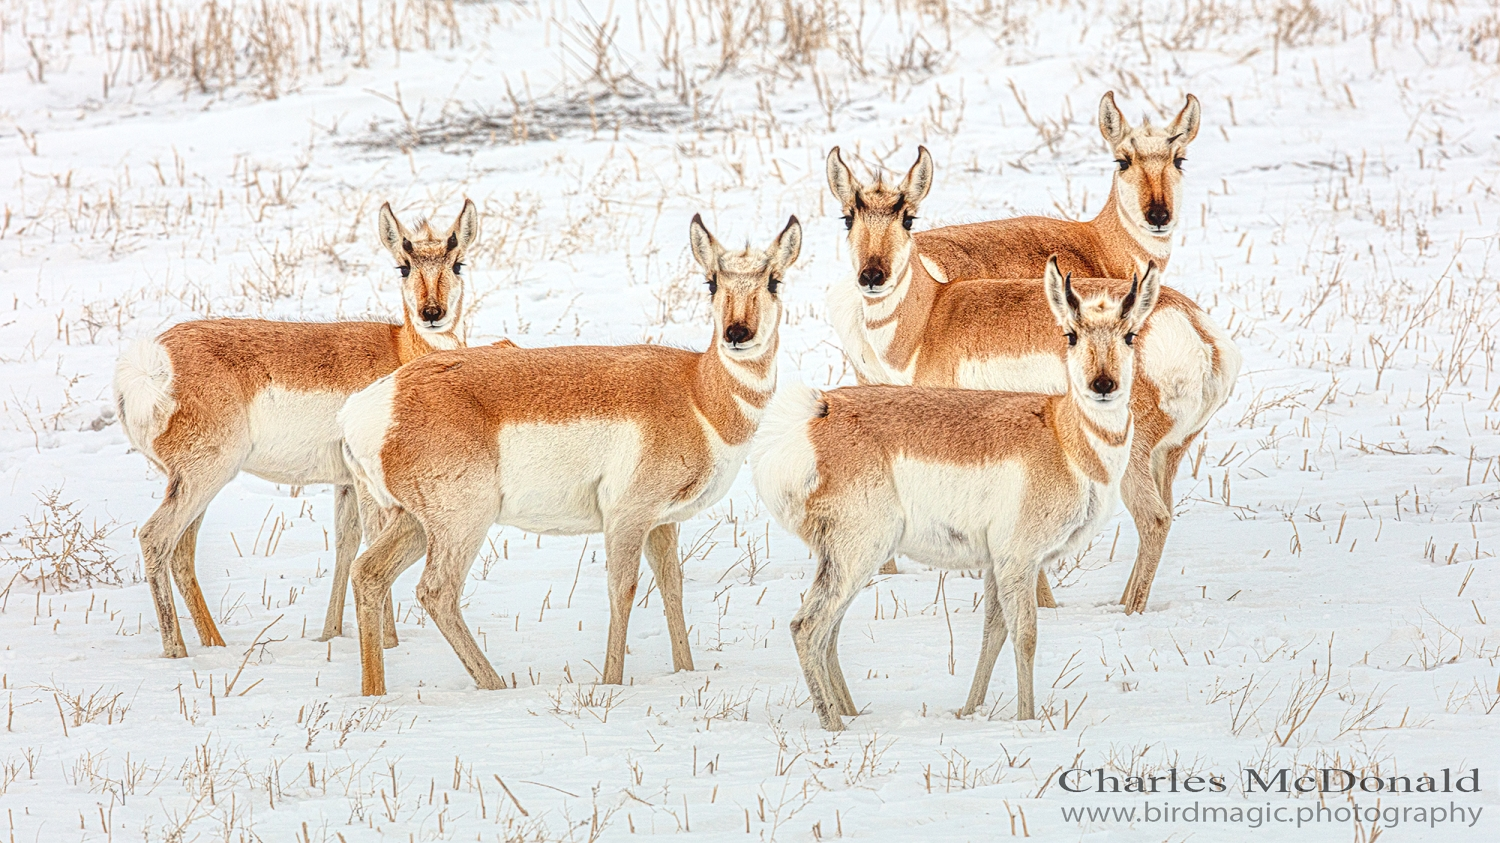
[956,478]
[625,440]
[1134,226]
[903,325]
[206,400]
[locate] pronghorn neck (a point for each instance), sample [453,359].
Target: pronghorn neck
[894,323]
[1096,439]
[412,343]
[1113,224]
[731,393]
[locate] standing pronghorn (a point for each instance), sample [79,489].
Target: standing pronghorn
[1134,226]
[206,400]
[900,324]
[626,440]
[956,478]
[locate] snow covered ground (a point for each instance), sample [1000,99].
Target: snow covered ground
[1329,597]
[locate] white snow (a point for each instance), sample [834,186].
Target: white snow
[1329,595]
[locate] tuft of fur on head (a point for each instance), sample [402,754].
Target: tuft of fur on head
[144,395]
[783,465]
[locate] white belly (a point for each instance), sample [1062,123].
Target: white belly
[957,516]
[565,478]
[295,437]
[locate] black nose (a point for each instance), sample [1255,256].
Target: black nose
[738,333]
[871,276]
[1103,384]
[1158,215]
[432,313]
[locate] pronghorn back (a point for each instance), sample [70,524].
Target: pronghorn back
[603,404]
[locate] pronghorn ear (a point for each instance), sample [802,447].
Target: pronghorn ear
[841,181]
[1112,124]
[1144,293]
[1185,127]
[788,245]
[918,179]
[705,248]
[393,235]
[465,229]
[1060,296]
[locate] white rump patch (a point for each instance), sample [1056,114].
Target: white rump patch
[364,421]
[143,393]
[1044,373]
[783,464]
[1177,360]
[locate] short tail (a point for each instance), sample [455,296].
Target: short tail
[784,465]
[144,394]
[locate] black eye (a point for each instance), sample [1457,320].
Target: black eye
[405,270]
[849,223]
[713,286]
[906,221]
[1130,338]
[773,284]
[458,268]
[1072,337]
[1124,163]
[1177,162]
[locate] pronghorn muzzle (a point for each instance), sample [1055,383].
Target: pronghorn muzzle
[1103,385]
[872,277]
[433,314]
[738,334]
[1158,215]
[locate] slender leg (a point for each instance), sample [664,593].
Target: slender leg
[1044,598]
[622,561]
[186,577]
[842,699]
[842,571]
[1171,462]
[994,638]
[346,532]
[161,536]
[1142,496]
[388,638]
[450,554]
[371,521]
[1018,602]
[401,543]
[666,566]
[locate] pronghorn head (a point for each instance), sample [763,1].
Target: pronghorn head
[431,267]
[1148,183]
[879,220]
[1100,330]
[743,287]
